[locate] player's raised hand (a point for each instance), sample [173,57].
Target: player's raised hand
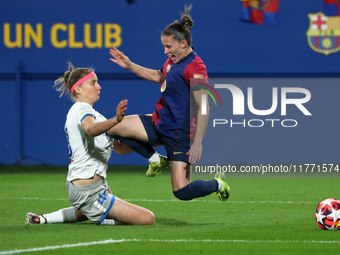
[120,110]
[119,58]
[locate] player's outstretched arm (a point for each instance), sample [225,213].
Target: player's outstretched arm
[94,128]
[119,58]
[148,74]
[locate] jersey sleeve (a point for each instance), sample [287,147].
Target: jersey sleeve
[85,110]
[195,74]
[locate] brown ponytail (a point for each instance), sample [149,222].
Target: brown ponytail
[71,76]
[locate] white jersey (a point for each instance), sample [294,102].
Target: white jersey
[89,155]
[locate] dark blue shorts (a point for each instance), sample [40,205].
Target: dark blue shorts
[176,148]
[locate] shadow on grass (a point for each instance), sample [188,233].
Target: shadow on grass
[165,221]
[170,222]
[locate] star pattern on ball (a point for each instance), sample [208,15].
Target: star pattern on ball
[320,216]
[327,214]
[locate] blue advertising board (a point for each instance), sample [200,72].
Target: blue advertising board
[39,37]
[43,35]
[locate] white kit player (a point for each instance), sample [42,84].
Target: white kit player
[90,150]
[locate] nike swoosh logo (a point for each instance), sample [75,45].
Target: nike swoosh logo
[177,152]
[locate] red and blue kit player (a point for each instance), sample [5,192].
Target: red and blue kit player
[170,124]
[172,117]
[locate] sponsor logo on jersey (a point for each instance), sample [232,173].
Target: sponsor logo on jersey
[199,76]
[85,107]
[168,68]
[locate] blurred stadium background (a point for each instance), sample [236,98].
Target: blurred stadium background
[272,215]
[39,37]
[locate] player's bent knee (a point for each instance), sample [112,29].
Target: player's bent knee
[182,195]
[149,219]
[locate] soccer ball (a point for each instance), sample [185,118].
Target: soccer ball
[327,214]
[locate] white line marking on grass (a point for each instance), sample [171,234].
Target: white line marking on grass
[218,201]
[111,241]
[173,200]
[65,246]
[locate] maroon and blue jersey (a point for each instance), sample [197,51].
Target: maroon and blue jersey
[172,116]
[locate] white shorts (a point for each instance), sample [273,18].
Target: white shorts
[93,200]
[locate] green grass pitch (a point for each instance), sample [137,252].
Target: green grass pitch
[262,216]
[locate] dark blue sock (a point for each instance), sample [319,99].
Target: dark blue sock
[198,188]
[142,148]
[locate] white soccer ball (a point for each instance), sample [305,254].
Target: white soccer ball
[327,214]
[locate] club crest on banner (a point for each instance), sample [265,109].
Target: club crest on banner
[323,34]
